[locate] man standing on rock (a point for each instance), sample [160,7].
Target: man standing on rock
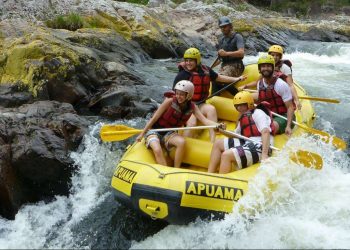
[230,53]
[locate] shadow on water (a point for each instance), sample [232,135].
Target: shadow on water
[112,225]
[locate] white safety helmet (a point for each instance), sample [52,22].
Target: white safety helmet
[187,87]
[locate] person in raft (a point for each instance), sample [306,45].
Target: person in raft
[175,111]
[255,123]
[200,75]
[283,70]
[277,93]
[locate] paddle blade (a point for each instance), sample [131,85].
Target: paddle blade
[336,142]
[117,132]
[307,159]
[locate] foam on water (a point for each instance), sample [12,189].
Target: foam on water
[307,209]
[49,225]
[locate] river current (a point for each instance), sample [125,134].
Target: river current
[309,209]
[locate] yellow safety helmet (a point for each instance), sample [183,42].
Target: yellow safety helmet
[244,97]
[193,53]
[266,59]
[276,49]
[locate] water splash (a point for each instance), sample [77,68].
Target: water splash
[306,209]
[49,225]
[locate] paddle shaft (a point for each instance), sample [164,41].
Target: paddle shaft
[183,128]
[218,92]
[311,98]
[212,65]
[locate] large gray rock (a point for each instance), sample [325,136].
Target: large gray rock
[35,143]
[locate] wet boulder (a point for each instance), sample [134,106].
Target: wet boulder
[35,143]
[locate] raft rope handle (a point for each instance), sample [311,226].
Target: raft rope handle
[162,175]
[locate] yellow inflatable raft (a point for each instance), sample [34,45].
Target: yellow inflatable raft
[179,195]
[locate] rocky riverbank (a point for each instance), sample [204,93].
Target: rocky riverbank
[51,78]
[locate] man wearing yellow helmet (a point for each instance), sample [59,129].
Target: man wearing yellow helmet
[200,75]
[276,92]
[230,51]
[283,70]
[255,123]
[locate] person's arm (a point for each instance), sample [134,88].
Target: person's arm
[265,138]
[162,108]
[290,112]
[290,82]
[229,79]
[249,85]
[239,53]
[236,54]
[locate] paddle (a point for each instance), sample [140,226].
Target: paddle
[311,98]
[212,65]
[319,99]
[122,132]
[217,92]
[305,158]
[337,142]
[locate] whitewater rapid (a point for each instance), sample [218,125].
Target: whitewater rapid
[309,208]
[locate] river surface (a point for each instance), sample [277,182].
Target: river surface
[309,209]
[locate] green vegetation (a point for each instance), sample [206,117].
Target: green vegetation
[143,2]
[302,8]
[224,11]
[178,1]
[242,7]
[70,22]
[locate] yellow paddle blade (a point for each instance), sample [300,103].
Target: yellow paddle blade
[320,99]
[336,142]
[307,158]
[117,132]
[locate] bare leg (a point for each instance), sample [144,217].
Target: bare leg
[158,152]
[190,123]
[209,112]
[227,158]
[179,142]
[215,155]
[277,127]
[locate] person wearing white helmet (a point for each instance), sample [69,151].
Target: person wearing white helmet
[230,154]
[175,111]
[200,75]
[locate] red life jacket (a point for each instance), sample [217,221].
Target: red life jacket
[278,73]
[201,82]
[174,116]
[269,95]
[248,125]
